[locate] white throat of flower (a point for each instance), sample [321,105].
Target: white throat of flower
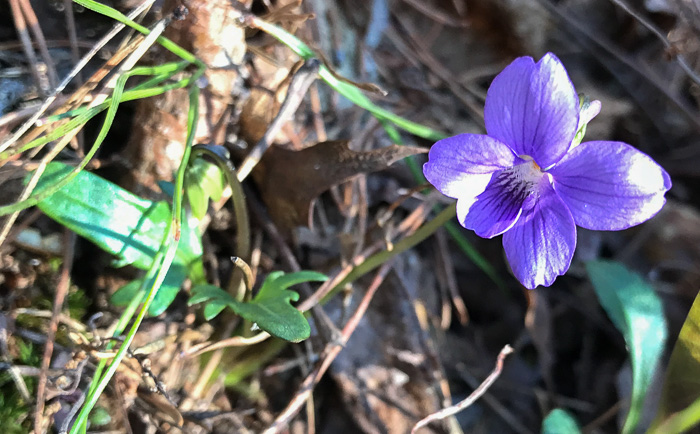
[520,182]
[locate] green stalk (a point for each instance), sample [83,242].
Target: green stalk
[401,246]
[161,262]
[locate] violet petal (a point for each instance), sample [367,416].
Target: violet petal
[540,246]
[533,108]
[610,185]
[461,166]
[498,208]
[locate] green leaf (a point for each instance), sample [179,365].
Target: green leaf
[270,309]
[124,225]
[165,296]
[118,221]
[636,311]
[284,281]
[559,421]
[679,409]
[203,181]
[201,293]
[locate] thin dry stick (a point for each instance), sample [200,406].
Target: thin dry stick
[55,150]
[141,45]
[61,291]
[330,353]
[437,15]
[407,226]
[498,408]
[23,34]
[575,25]
[18,115]
[235,341]
[72,35]
[653,29]
[319,126]
[450,279]
[301,81]
[77,68]
[40,41]
[449,411]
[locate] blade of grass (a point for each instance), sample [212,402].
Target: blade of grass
[70,126]
[76,69]
[161,263]
[347,90]
[118,16]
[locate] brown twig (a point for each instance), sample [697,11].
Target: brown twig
[447,270]
[298,87]
[77,68]
[21,26]
[653,29]
[476,394]
[61,292]
[490,400]
[330,353]
[235,341]
[436,15]
[418,50]
[72,35]
[575,25]
[41,41]
[407,226]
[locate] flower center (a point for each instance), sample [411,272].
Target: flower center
[520,182]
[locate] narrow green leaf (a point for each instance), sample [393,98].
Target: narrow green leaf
[680,400]
[125,225]
[284,281]
[682,421]
[118,221]
[559,421]
[212,309]
[166,294]
[636,311]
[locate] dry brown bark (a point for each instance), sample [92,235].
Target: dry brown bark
[211,33]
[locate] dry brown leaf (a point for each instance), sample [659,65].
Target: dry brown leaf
[290,181]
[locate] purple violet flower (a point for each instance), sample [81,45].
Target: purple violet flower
[530,179]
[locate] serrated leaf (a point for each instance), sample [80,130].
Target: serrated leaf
[680,400]
[559,421]
[636,310]
[270,309]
